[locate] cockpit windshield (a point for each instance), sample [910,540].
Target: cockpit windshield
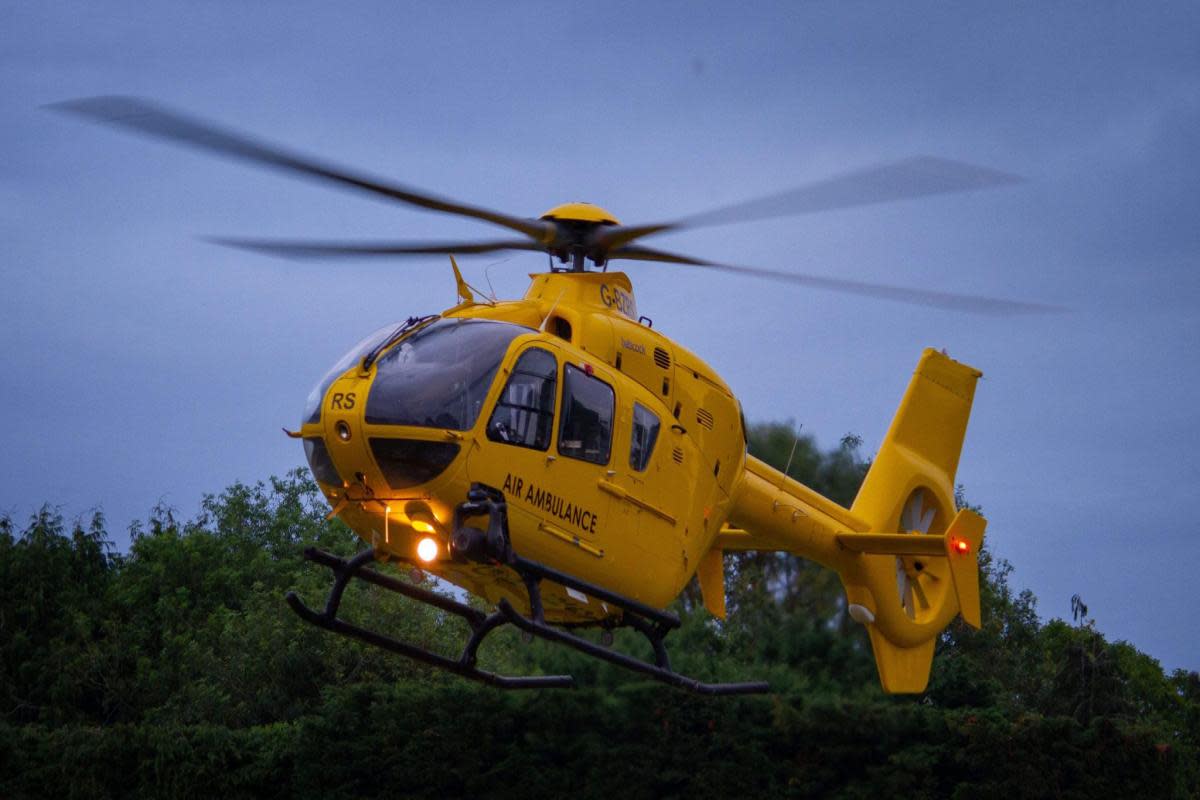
[439,376]
[312,407]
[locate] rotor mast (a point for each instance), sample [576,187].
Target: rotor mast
[574,228]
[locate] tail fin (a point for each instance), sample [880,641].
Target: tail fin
[907,559]
[910,488]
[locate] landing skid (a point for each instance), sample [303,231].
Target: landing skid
[481,624]
[493,546]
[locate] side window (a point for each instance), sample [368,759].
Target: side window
[645,434]
[586,430]
[524,414]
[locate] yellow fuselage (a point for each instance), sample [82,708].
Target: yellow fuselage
[637,531]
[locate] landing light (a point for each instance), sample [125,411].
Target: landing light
[427,549]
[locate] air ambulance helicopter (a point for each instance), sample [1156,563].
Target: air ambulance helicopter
[562,459]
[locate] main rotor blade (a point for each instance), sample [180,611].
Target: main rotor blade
[921,297]
[920,176]
[149,119]
[315,250]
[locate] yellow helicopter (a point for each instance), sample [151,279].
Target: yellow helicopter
[562,459]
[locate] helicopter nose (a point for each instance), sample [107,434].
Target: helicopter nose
[344,447]
[331,428]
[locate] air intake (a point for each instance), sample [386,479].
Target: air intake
[662,358]
[705,418]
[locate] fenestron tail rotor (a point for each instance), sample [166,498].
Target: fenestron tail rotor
[916,579]
[576,232]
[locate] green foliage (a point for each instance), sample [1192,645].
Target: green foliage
[416,739]
[177,670]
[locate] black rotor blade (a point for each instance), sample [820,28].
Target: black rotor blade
[315,250]
[921,176]
[921,297]
[149,119]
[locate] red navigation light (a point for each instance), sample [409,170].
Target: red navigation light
[587,369]
[962,546]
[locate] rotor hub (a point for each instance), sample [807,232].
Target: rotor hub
[580,212]
[574,238]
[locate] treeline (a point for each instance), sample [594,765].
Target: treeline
[176,670]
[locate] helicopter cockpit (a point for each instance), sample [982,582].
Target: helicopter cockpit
[439,376]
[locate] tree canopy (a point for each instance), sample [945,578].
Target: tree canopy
[176,669]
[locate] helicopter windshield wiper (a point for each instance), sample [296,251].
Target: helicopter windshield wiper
[407,327]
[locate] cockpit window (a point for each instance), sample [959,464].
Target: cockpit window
[408,462]
[312,406]
[586,429]
[439,376]
[524,414]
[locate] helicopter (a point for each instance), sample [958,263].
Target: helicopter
[574,467]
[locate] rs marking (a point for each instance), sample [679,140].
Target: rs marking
[342,401]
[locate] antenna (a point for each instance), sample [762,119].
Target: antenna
[542,328]
[487,275]
[783,476]
[792,454]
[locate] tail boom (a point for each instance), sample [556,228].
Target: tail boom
[904,588]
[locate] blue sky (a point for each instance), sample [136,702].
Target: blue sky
[141,364]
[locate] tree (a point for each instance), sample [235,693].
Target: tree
[176,666]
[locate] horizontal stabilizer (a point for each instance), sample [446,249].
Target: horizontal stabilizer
[959,544]
[894,544]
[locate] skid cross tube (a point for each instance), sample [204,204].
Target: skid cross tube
[526,568]
[654,628]
[661,673]
[481,624]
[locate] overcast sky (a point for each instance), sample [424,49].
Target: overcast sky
[141,364]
